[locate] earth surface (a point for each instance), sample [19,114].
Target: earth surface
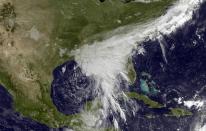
[43,87]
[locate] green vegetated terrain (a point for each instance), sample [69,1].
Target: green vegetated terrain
[179,112]
[38,35]
[176,112]
[131,72]
[145,99]
[83,19]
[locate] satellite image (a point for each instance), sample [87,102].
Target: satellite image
[102,65]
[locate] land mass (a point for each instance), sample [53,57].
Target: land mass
[36,36]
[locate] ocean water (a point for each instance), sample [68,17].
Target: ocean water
[174,56]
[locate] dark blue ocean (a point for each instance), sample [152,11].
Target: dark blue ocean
[181,75]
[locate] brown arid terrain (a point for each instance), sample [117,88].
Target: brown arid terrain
[24,34]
